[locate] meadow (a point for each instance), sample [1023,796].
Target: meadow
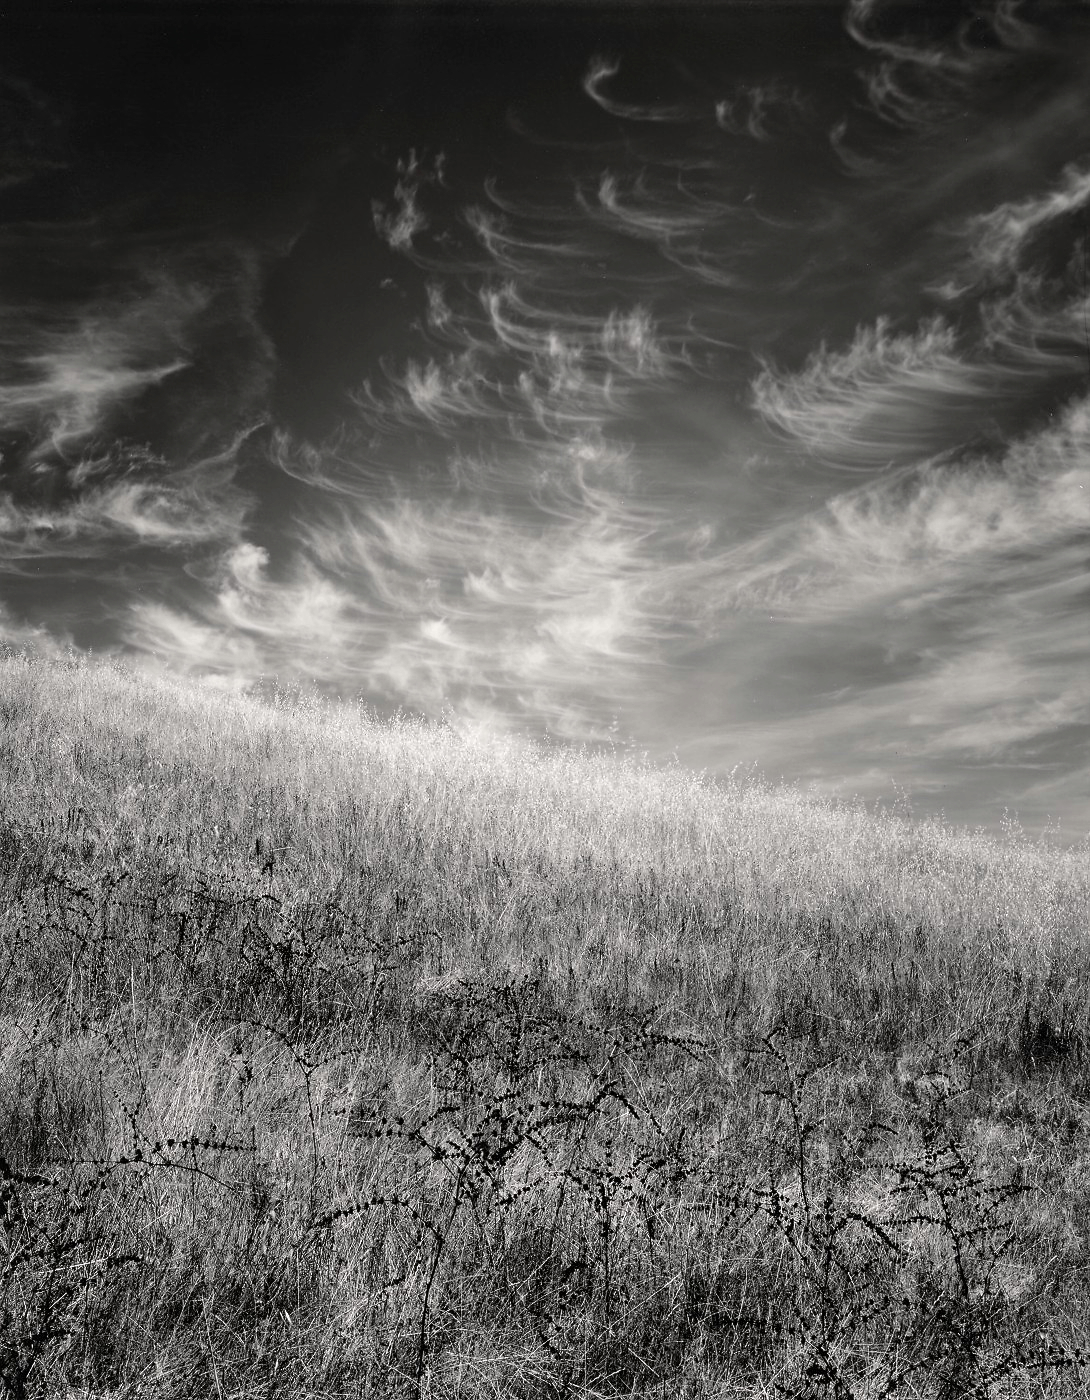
[347,1057]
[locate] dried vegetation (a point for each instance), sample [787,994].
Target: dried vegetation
[352,1058]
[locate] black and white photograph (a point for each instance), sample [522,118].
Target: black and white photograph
[545,699]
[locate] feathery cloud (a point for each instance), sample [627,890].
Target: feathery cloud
[888,397]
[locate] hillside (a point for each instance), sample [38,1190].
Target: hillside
[342,1057]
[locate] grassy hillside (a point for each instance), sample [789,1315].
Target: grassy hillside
[346,1058]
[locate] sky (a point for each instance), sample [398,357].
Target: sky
[712,381]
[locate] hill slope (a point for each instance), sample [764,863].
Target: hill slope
[363,1058]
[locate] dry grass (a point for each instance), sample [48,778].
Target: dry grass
[347,1058]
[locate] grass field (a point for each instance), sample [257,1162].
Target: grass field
[341,1057]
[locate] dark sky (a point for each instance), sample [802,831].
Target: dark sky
[713,379]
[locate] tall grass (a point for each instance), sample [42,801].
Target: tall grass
[353,1058]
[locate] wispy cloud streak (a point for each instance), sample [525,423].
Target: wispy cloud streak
[599,75]
[887,397]
[65,375]
[761,110]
